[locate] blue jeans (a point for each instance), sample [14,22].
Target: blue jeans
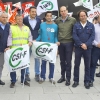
[86,54]
[95,55]
[37,65]
[65,52]
[43,70]
[13,76]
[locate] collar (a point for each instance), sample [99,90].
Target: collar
[30,18]
[67,18]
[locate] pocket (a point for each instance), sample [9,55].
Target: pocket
[88,30]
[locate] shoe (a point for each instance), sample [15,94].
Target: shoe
[41,81]
[52,81]
[27,78]
[2,83]
[26,83]
[87,85]
[37,78]
[61,80]
[91,83]
[98,74]
[12,85]
[75,84]
[67,83]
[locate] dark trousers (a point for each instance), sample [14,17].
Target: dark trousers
[86,54]
[13,76]
[95,55]
[65,52]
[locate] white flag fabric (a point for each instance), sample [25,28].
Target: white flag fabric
[17,5]
[92,14]
[97,5]
[79,3]
[45,51]
[85,3]
[17,58]
[47,5]
[88,4]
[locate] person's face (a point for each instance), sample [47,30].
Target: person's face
[48,17]
[99,19]
[32,13]
[63,11]
[83,17]
[19,20]
[4,18]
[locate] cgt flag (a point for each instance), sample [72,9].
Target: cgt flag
[45,51]
[17,58]
[47,5]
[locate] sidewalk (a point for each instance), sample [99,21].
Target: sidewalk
[47,91]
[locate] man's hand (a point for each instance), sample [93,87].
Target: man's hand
[30,43]
[98,45]
[84,46]
[58,43]
[6,49]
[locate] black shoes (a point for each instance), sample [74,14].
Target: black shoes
[61,80]
[12,85]
[98,74]
[27,78]
[37,78]
[87,85]
[67,83]
[26,83]
[2,83]
[91,83]
[75,84]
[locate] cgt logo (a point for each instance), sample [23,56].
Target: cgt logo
[47,5]
[16,57]
[43,49]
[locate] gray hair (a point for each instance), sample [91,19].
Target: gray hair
[3,12]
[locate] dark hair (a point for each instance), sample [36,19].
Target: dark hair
[47,13]
[95,18]
[78,14]
[32,7]
[18,15]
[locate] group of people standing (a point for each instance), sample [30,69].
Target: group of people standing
[65,32]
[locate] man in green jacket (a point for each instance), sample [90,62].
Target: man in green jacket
[65,26]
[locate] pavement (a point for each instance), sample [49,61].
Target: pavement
[48,91]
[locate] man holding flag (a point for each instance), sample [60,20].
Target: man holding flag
[48,33]
[19,35]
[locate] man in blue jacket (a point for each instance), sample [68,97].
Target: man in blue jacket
[33,23]
[4,32]
[83,35]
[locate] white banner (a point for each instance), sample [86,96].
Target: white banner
[97,5]
[88,4]
[17,58]
[47,5]
[93,13]
[45,51]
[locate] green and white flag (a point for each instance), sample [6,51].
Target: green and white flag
[88,4]
[97,5]
[17,58]
[45,51]
[85,3]
[47,5]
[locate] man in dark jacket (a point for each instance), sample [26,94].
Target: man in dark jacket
[33,23]
[83,35]
[4,32]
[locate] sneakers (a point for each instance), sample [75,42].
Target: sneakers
[27,78]
[2,83]
[26,83]
[37,78]
[52,81]
[12,85]
[41,81]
